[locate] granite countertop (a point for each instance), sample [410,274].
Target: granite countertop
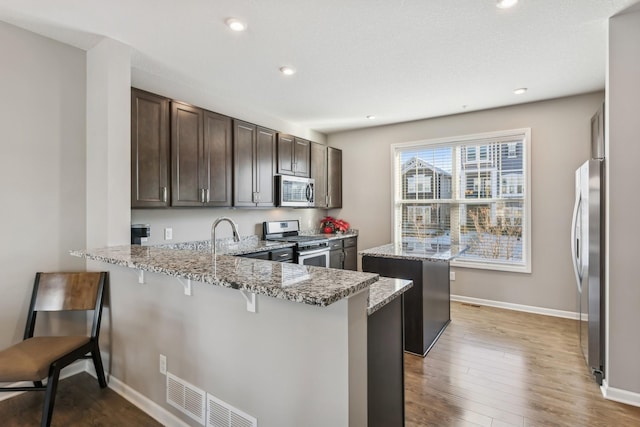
[331,236]
[391,250]
[304,284]
[246,245]
[385,290]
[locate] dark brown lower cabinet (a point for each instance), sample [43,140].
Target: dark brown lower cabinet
[385,366]
[427,310]
[350,253]
[280,255]
[335,258]
[344,253]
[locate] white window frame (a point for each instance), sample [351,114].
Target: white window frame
[476,139]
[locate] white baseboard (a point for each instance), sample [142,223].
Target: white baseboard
[619,395]
[517,307]
[140,401]
[74,368]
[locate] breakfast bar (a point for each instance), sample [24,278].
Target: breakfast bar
[306,329]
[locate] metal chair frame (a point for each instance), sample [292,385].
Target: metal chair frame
[88,350]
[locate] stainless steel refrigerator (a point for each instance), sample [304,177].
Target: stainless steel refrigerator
[587,246]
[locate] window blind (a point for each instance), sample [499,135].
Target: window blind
[470,191]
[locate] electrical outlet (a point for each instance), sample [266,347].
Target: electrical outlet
[168,233]
[163,364]
[452,275]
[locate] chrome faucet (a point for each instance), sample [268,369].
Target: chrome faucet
[234,229]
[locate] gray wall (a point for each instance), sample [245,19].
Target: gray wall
[289,364]
[623,152]
[42,167]
[560,133]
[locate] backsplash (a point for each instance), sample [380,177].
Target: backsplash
[195,224]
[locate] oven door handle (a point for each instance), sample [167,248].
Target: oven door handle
[313,252]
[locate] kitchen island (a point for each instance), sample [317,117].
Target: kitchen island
[427,303]
[299,359]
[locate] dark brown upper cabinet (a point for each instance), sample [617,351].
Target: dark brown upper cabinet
[293,155]
[218,155]
[319,173]
[254,153]
[149,150]
[334,177]
[326,170]
[201,150]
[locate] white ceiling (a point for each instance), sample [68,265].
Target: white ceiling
[396,59]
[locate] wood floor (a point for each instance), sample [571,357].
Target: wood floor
[491,367]
[495,367]
[80,402]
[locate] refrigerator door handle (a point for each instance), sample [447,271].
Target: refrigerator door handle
[574,243]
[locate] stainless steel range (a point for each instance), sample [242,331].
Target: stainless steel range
[310,250]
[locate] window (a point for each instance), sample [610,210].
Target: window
[419,183]
[484,150]
[471,154]
[471,191]
[477,153]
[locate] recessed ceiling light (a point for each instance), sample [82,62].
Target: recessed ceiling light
[287,71]
[520,91]
[371,117]
[464,107]
[236,24]
[505,4]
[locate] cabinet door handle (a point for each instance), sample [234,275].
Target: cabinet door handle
[163,191]
[293,167]
[202,195]
[208,195]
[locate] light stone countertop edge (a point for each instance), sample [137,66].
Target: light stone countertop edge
[385,290]
[293,282]
[396,251]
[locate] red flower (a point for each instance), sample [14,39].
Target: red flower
[329,225]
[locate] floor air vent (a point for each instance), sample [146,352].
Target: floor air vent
[221,414]
[186,397]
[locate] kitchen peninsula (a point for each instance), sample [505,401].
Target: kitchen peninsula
[293,282]
[309,331]
[427,303]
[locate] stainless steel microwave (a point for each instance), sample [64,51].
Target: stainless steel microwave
[296,192]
